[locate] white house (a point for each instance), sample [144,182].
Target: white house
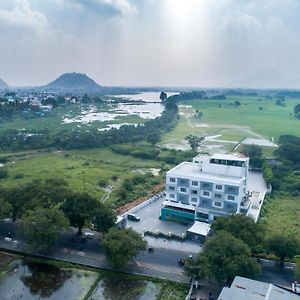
[209,187]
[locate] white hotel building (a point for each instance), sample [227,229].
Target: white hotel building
[208,187]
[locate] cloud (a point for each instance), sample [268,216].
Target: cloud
[22,17]
[110,8]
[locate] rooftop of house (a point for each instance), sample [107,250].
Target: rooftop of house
[229,156]
[192,171]
[248,289]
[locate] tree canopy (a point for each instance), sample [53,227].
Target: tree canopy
[79,208]
[121,246]
[241,227]
[41,228]
[194,141]
[283,247]
[104,218]
[224,257]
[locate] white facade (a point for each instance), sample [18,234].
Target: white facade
[208,187]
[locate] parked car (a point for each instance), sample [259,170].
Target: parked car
[133,217]
[296,287]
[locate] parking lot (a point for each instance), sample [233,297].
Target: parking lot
[149,220]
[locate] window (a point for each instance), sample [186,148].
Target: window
[205,193]
[230,197]
[219,196]
[183,182]
[204,201]
[206,185]
[194,192]
[172,188]
[218,187]
[172,180]
[218,204]
[202,216]
[182,189]
[195,183]
[172,196]
[194,199]
[231,189]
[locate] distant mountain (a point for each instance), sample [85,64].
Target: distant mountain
[264,78]
[3,84]
[73,81]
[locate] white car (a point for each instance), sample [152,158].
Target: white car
[89,234]
[296,287]
[7,239]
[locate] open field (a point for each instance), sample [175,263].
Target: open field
[282,215]
[82,169]
[232,124]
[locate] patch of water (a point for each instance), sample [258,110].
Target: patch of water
[146,96]
[112,288]
[116,126]
[30,281]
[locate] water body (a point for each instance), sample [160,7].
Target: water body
[151,109]
[31,281]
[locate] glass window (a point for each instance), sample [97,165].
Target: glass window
[219,196]
[194,199]
[218,203]
[219,187]
[172,179]
[194,192]
[172,196]
[205,193]
[182,189]
[171,188]
[230,197]
[195,183]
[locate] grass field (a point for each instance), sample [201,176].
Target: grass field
[232,123]
[81,169]
[281,215]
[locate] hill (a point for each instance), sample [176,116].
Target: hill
[3,84]
[73,81]
[264,78]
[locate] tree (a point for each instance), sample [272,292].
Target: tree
[120,246]
[297,109]
[104,218]
[41,228]
[79,208]
[194,141]
[5,209]
[254,153]
[241,227]
[153,138]
[224,257]
[283,247]
[163,96]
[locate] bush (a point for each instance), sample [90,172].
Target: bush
[3,173]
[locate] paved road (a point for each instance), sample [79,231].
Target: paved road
[161,263]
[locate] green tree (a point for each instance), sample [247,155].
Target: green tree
[194,141]
[121,246]
[79,208]
[254,153]
[5,209]
[41,228]
[283,247]
[104,218]
[296,109]
[241,227]
[153,138]
[224,257]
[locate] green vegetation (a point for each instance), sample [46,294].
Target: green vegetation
[41,228]
[194,141]
[223,257]
[121,246]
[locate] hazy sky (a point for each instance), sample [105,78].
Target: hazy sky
[150,42]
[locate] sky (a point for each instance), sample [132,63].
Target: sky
[184,43]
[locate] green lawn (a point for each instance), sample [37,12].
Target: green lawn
[281,215]
[235,123]
[81,169]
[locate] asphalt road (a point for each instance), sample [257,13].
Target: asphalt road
[160,263]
